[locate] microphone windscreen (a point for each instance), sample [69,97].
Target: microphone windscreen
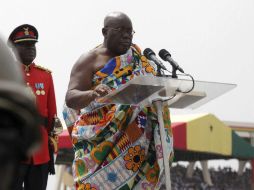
[163,54]
[148,52]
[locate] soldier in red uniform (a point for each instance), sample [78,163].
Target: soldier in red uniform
[33,173]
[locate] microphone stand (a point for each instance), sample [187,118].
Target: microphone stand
[159,74]
[158,103]
[174,72]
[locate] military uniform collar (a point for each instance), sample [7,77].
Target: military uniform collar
[28,67]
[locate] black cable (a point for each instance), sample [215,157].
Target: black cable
[193,84]
[192,79]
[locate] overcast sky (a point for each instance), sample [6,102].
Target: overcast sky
[213,40]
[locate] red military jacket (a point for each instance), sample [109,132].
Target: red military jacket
[41,82]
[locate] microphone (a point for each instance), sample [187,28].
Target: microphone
[149,54]
[166,56]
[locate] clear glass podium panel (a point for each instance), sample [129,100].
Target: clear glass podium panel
[143,90]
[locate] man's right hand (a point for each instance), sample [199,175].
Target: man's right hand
[101,90]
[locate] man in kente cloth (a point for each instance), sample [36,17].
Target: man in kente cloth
[116,146]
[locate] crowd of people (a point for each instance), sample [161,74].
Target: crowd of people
[223,179]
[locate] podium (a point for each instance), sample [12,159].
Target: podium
[148,90]
[143,90]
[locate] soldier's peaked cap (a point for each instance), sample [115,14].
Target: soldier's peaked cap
[24,32]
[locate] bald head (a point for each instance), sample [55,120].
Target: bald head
[117,32]
[114,17]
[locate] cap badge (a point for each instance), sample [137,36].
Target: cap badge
[26,32]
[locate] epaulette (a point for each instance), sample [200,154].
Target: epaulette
[42,68]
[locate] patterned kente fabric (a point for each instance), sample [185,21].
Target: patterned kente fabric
[119,146]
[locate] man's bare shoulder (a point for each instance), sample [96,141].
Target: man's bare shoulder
[91,56]
[92,60]
[87,58]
